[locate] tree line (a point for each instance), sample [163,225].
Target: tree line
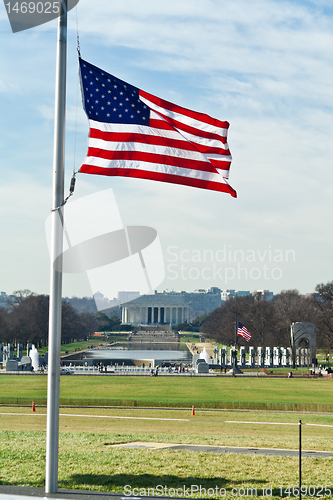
[26,320]
[269,321]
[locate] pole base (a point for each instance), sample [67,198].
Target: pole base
[236,371]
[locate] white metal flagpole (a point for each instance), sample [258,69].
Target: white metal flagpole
[53,377]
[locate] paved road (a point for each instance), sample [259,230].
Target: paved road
[226,449]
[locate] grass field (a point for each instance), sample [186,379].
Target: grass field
[89,460]
[225,428]
[239,392]
[83,344]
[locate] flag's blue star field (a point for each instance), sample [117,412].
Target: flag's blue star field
[108,99]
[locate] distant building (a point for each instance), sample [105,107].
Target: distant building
[265,294]
[171,306]
[3,299]
[127,296]
[204,301]
[103,303]
[157,309]
[228,294]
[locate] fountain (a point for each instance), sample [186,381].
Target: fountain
[204,355]
[34,356]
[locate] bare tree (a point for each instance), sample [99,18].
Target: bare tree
[268,321]
[221,323]
[18,296]
[28,321]
[4,327]
[323,305]
[261,323]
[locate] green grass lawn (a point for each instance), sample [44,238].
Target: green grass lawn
[238,392]
[89,460]
[86,344]
[232,428]
[188,338]
[78,346]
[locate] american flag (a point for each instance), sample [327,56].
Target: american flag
[135,134]
[243,332]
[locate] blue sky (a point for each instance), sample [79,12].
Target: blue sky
[264,66]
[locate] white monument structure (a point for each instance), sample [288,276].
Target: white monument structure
[156,309]
[264,358]
[303,336]
[204,355]
[34,356]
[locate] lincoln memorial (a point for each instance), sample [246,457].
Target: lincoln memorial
[157,309]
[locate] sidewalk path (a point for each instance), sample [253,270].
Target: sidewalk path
[223,449]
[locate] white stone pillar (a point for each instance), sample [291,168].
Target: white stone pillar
[242,356]
[261,357]
[275,356]
[251,357]
[223,357]
[231,357]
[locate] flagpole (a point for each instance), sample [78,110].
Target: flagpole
[236,339]
[236,321]
[53,378]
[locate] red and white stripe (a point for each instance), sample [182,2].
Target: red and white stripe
[178,146]
[244,332]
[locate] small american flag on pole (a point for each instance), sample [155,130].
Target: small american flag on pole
[243,332]
[136,134]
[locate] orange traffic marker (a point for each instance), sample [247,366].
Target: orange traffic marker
[33,406]
[193,410]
